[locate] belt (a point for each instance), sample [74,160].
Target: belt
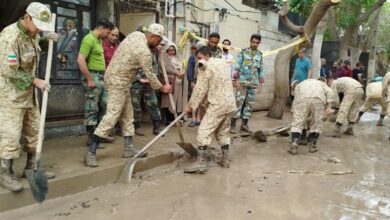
[97,72]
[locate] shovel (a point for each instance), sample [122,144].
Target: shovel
[187,147]
[262,136]
[36,176]
[127,171]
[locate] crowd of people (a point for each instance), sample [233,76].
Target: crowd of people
[120,78]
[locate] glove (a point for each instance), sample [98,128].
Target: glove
[52,36]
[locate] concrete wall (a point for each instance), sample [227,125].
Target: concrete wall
[238,27]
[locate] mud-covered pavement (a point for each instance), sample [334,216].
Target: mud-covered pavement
[349,178]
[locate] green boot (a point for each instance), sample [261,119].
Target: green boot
[129,149]
[200,166]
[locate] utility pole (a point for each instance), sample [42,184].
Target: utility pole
[186,49]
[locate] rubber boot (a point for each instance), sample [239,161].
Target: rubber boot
[90,130]
[129,149]
[302,139]
[244,126]
[313,143]
[90,156]
[200,166]
[294,143]
[349,130]
[8,179]
[233,126]
[138,131]
[337,131]
[225,160]
[30,165]
[359,117]
[156,127]
[380,122]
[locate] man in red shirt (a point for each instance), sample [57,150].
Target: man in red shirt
[110,45]
[347,69]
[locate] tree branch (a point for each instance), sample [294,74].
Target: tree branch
[286,21]
[369,12]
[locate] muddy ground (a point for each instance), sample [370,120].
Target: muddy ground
[349,178]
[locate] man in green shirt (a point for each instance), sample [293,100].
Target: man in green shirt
[92,65]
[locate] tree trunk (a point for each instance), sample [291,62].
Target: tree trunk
[355,55]
[373,43]
[317,46]
[283,57]
[332,25]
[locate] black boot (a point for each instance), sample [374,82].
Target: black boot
[90,129]
[244,126]
[380,122]
[8,179]
[90,157]
[313,143]
[294,143]
[225,160]
[337,131]
[156,127]
[349,130]
[129,149]
[302,139]
[233,126]
[359,116]
[30,165]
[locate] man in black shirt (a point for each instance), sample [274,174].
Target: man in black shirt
[357,73]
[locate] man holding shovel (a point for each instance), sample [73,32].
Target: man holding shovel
[133,53]
[216,86]
[19,55]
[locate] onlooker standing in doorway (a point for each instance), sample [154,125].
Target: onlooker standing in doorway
[92,65]
[249,67]
[347,69]
[303,67]
[357,73]
[110,45]
[228,57]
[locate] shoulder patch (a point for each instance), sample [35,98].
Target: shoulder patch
[12,59]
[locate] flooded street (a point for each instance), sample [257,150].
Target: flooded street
[348,179]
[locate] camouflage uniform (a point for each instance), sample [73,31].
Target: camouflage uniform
[250,67]
[386,92]
[311,97]
[19,113]
[352,101]
[374,96]
[214,84]
[139,90]
[217,53]
[132,54]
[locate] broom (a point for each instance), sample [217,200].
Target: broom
[37,177]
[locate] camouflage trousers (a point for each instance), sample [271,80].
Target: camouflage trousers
[369,102]
[96,100]
[119,108]
[219,125]
[388,108]
[137,91]
[310,109]
[245,98]
[16,122]
[349,107]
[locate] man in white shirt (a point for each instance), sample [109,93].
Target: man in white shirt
[228,57]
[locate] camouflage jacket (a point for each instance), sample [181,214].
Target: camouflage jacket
[216,85]
[132,54]
[19,55]
[217,53]
[345,85]
[250,67]
[386,87]
[312,88]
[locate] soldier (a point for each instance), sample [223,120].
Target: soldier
[373,96]
[386,93]
[348,109]
[311,98]
[19,55]
[213,42]
[248,78]
[214,85]
[92,65]
[133,53]
[141,88]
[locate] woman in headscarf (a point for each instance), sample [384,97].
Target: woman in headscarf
[175,74]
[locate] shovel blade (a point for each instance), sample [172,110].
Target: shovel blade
[189,148]
[38,184]
[260,136]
